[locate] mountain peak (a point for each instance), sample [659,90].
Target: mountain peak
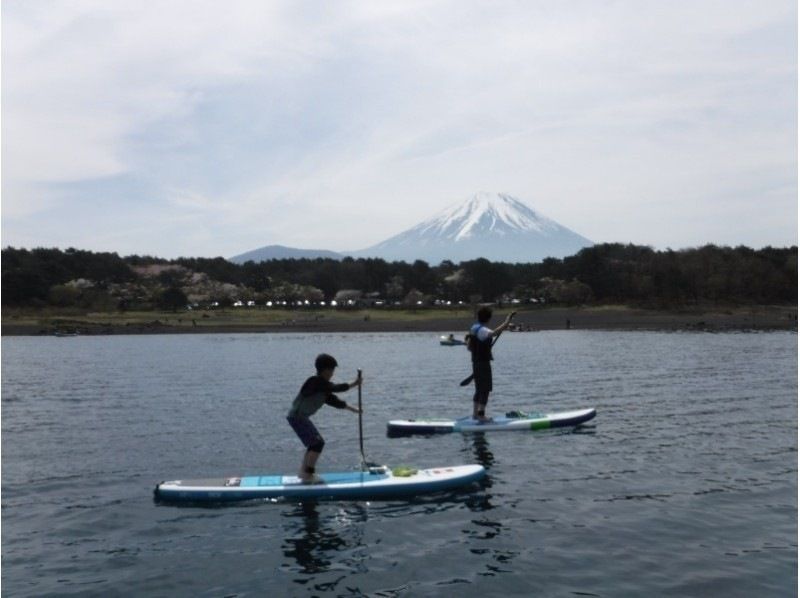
[485,213]
[496,226]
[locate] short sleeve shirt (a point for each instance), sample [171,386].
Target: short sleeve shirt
[483,334]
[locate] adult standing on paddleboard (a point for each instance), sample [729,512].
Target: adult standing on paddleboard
[479,341]
[316,391]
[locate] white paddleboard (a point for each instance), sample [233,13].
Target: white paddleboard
[505,423]
[377,482]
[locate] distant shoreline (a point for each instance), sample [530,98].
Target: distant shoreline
[49,322]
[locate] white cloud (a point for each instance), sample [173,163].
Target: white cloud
[337,125]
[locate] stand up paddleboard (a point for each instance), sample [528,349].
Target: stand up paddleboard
[375,483]
[372,482]
[509,422]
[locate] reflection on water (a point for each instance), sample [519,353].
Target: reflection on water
[480,450]
[310,547]
[695,443]
[312,539]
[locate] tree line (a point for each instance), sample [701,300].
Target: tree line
[602,274]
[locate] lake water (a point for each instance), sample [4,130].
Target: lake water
[684,485]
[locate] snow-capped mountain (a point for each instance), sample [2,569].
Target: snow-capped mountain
[495,226]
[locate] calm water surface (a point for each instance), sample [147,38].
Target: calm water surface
[684,485]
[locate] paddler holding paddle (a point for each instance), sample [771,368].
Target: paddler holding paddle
[479,341]
[316,391]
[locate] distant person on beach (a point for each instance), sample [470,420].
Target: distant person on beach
[316,391]
[479,343]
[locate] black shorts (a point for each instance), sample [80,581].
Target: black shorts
[305,430]
[482,370]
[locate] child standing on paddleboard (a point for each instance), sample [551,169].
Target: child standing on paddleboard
[479,342]
[316,391]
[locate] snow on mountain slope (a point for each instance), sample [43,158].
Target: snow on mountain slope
[485,213]
[495,226]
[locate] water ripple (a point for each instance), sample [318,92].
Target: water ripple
[685,484]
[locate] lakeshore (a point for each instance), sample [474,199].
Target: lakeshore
[242,320]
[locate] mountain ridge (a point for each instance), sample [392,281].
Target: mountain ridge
[281,252]
[495,226]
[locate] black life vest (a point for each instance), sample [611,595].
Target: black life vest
[481,350]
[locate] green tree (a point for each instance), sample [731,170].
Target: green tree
[173,299]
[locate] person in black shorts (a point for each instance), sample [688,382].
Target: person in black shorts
[316,391]
[479,342]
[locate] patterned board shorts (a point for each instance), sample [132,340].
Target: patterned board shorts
[305,430]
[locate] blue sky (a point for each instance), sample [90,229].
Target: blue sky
[205,128]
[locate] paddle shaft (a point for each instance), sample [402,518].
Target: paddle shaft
[360,426]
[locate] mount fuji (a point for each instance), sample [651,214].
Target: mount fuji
[495,226]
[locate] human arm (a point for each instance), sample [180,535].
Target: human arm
[506,323]
[338,403]
[344,386]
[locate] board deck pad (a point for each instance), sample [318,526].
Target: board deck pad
[379,482]
[327,478]
[513,421]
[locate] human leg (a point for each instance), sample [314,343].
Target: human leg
[314,444]
[483,386]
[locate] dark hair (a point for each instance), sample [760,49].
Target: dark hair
[324,362]
[484,314]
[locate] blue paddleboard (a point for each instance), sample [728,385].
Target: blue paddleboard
[377,482]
